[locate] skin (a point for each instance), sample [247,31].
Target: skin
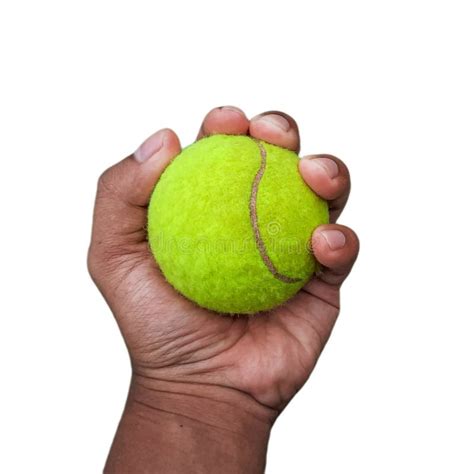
[206,388]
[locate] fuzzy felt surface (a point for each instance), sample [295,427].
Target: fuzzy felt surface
[209,244]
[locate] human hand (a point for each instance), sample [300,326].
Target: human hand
[227,377]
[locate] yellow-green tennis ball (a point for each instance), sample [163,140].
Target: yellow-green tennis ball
[230,222]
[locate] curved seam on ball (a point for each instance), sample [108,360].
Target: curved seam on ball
[254,219]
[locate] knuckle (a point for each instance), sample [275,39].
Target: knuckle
[101,259]
[103,255]
[117,181]
[106,182]
[92,263]
[106,257]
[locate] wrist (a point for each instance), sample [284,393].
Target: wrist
[181,427]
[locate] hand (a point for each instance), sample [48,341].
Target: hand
[234,374]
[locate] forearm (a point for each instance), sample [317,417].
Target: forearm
[177,428]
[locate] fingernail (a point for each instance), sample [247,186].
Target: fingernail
[276,121]
[233,109]
[150,146]
[326,165]
[334,238]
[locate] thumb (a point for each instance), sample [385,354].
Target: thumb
[123,193]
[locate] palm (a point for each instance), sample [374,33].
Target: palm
[268,356]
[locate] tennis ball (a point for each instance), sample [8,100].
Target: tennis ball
[230,222]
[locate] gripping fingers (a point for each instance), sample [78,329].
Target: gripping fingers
[329,178]
[336,248]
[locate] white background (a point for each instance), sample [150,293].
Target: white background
[387,86]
